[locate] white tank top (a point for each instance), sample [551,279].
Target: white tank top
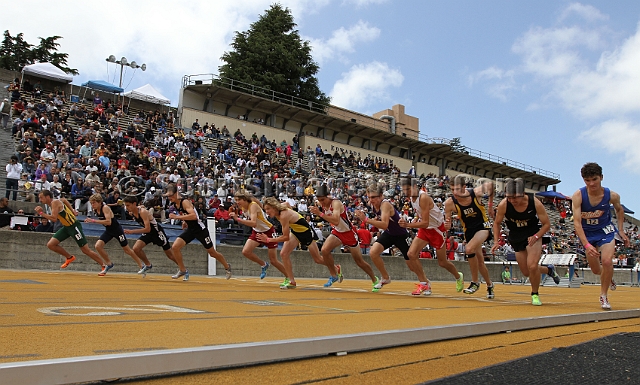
[436,218]
[262,224]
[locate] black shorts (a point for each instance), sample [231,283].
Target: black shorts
[201,235]
[519,244]
[107,236]
[157,238]
[401,242]
[306,237]
[468,235]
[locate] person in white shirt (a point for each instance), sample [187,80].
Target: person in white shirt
[14,170]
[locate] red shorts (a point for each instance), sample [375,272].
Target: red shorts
[348,238]
[435,237]
[268,233]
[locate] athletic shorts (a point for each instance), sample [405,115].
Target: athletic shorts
[436,237]
[268,233]
[402,242]
[159,239]
[75,231]
[305,238]
[519,245]
[468,235]
[202,235]
[348,238]
[107,236]
[601,237]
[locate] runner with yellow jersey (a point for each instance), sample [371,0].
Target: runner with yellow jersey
[295,231]
[62,211]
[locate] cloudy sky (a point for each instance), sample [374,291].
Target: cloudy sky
[549,83]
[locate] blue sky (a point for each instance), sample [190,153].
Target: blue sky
[552,84]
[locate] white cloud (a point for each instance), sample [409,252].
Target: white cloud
[618,137]
[343,41]
[363,3]
[587,12]
[365,84]
[499,82]
[551,52]
[611,88]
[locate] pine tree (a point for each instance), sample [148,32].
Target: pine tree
[272,55]
[15,53]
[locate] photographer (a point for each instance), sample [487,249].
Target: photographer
[14,169]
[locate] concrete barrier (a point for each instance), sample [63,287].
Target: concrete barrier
[28,250]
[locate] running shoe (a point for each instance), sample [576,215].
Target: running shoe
[604,303]
[340,277]
[553,274]
[422,289]
[227,272]
[381,282]
[183,274]
[473,287]
[67,262]
[375,284]
[535,300]
[331,281]
[460,282]
[613,284]
[105,269]
[145,269]
[490,294]
[287,284]
[263,273]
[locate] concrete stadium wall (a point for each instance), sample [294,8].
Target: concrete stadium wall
[423,168]
[28,250]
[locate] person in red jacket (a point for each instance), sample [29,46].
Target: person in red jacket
[451,245]
[364,235]
[223,219]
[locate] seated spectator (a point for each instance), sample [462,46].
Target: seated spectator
[223,219]
[5,212]
[25,187]
[214,204]
[506,275]
[28,227]
[44,226]
[80,195]
[116,204]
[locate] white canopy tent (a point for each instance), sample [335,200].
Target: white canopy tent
[47,71]
[148,94]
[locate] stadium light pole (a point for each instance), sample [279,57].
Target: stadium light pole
[124,62]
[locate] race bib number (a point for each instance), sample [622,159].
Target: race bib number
[609,229]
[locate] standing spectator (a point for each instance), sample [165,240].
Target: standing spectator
[14,169]
[365,237]
[5,110]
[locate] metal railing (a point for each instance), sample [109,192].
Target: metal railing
[263,92]
[490,157]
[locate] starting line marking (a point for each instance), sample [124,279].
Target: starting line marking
[113,311]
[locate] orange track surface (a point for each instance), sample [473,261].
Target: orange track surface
[66,314]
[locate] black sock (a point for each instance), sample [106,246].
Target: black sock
[536,293]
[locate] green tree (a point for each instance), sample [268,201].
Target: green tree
[15,53]
[272,55]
